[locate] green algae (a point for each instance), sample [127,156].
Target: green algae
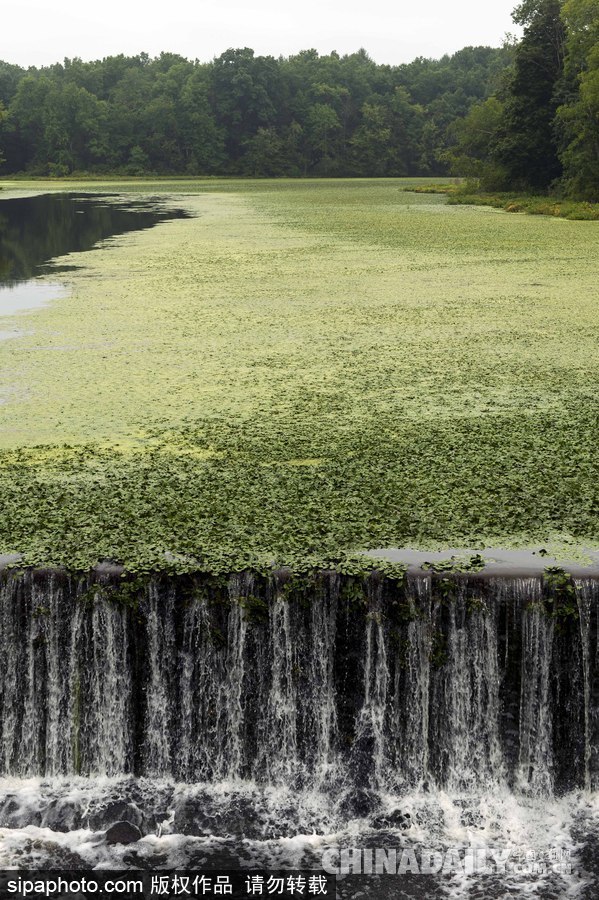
[303,370]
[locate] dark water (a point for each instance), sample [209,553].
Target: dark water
[34,230]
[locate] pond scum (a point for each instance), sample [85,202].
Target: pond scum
[301,371]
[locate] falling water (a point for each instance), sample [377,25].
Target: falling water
[450,681]
[313,701]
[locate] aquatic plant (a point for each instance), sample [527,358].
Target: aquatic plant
[302,371]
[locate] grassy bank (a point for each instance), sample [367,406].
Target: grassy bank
[301,370]
[576,210]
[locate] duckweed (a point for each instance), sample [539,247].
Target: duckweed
[302,371]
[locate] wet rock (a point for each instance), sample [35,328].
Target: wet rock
[361,757]
[14,815]
[123,833]
[190,818]
[156,819]
[143,803]
[200,816]
[42,853]
[62,815]
[394,819]
[146,863]
[221,857]
[113,811]
[358,804]
[472,818]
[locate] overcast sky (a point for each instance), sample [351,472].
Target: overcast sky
[39,32]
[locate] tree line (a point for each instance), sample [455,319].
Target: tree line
[521,117]
[539,131]
[242,114]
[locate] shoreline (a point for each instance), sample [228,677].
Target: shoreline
[395,563]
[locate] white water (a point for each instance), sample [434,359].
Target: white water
[253,723]
[295,829]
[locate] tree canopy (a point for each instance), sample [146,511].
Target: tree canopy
[540,131]
[521,117]
[241,113]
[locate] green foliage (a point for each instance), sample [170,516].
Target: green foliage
[240,114]
[139,161]
[128,592]
[62,125]
[263,152]
[575,210]
[361,565]
[473,563]
[521,118]
[476,604]
[578,116]
[353,592]
[526,146]
[468,194]
[256,609]
[562,594]
[445,589]
[402,647]
[40,612]
[217,637]
[10,75]
[539,132]
[473,143]
[2,118]
[131,590]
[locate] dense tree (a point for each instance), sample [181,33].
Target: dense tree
[578,116]
[241,114]
[263,154]
[245,91]
[473,142]
[371,143]
[2,118]
[512,117]
[60,126]
[9,78]
[527,146]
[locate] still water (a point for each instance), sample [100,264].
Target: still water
[36,230]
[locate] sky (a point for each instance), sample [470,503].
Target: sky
[40,32]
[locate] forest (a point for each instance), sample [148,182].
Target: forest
[241,114]
[524,116]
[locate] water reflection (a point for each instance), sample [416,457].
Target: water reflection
[27,295]
[35,230]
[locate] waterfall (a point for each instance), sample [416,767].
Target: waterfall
[315,682]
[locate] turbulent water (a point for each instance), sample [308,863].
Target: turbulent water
[262,721]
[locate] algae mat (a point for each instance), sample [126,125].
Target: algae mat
[302,370]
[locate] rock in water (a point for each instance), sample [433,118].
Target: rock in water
[394,819]
[113,811]
[123,833]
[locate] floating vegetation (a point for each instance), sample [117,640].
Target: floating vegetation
[300,372]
